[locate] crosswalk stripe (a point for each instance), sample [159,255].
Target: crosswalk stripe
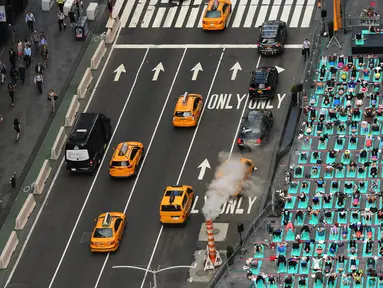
[117,8]
[136,16]
[296,16]
[182,16]
[149,13]
[239,15]
[160,15]
[202,11]
[262,14]
[275,9]
[127,11]
[285,13]
[307,16]
[170,17]
[192,17]
[250,14]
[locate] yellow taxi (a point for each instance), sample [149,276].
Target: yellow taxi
[249,166]
[188,110]
[107,232]
[176,204]
[216,15]
[126,159]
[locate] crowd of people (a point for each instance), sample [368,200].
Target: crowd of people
[331,229]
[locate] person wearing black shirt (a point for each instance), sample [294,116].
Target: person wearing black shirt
[299,214]
[340,198]
[332,154]
[260,279]
[322,72]
[288,281]
[318,277]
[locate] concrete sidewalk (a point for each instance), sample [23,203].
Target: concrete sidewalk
[32,109]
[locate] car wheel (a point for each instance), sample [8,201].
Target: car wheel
[135,171]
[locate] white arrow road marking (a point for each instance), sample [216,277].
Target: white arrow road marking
[120,69]
[255,168]
[235,69]
[204,165]
[157,71]
[279,69]
[196,70]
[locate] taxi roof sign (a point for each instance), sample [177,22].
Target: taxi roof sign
[215,5]
[107,220]
[123,150]
[184,100]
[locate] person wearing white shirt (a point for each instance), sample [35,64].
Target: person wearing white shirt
[30,19]
[306,48]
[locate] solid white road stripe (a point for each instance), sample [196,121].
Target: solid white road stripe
[262,15]
[192,17]
[250,15]
[310,2]
[196,46]
[160,15]
[184,164]
[239,15]
[170,17]
[307,16]
[296,16]
[274,12]
[127,10]
[301,2]
[137,14]
[146,154]
[201,16]
[117,8]
[285,13]
[149,14]
[181,16]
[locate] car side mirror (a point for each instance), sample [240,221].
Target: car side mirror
[114,148]
[260,26]
[95,219]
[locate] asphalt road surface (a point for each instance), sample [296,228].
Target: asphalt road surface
[171,154]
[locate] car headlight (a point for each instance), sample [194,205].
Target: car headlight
[174,118]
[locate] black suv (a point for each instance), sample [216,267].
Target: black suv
[273,37]
[263,83]
[254,129]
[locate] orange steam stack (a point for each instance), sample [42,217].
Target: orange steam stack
[212,257]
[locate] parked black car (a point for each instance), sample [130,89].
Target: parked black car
[272,38]
[254,129]
[263,83]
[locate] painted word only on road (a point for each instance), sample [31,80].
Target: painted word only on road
[235,101]
[237,206]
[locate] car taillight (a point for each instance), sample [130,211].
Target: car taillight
[239,141]
[220,22]
[268,88]
[259,141]
[251,89]
[258,45]
[91,162]
[278,44]
[204,22]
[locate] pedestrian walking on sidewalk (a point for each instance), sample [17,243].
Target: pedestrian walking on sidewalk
[12,33]
[52,97]
[3,72]
[12,57]
[45,56]
[72,19]
[35,38]
[60,3]
[11,91]
[39,69]
[22,73]
[60,20]
[39,82]
[27,56]
[30,19]
[14,74]
[20,49]
[43,40]
[16,126]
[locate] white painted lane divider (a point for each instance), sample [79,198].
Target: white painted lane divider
[196,69]
[236,67]
[120,69]
[157,71]
[203,166]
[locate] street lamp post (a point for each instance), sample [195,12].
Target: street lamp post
[154,272]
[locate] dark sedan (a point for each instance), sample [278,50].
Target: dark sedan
[263,83]
[273,37]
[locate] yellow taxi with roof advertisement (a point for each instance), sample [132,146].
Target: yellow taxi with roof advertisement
[216,15]
[176,204]
[108,232]
[249,166]
[188,110]
[126,159]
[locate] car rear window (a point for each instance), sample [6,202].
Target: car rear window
[183,114]
[170,208]
[120,163]
[259,77]
[213,14]
[268,41]
[269,31]
[103,233]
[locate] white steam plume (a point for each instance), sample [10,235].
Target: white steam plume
[227,182]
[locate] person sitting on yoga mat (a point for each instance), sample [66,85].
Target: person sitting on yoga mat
[355,215]
[373,170]
[371,198]
[357,275]
[346,279]
[304,184]
[358,228]
[331,83]
[374,185]
[336,102]
[332,113]
[346,154]
[315,199]
[332,154]
[328,214]
[361,183]
[271,279]
[320,128]
[373,99]
[360,60]
[350,61]
[286,215]
[352,246]
[302,197]
[341,127]
[322,72]
[334,185]
[331,279]
[344,231]
[328,263]
[341,260]
[259,279]
[356,112]
[298,170]
[369,141]
[277,232]
[334,229]
[374,154]
[327,198]
[289,281]
[332,59]
[326,101]
[371,63]
[359,100]
[364,126]
[313,115]
[320,183]
[299,215]
[321,230]
[363,153]
[355,198]
[293,261]
[313,212]
[352,166]
[377,75]
[318,277]
[258,249]
[351,85]
[317,263]
[369,114]
[302,281]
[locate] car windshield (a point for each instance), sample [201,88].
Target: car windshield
[103,233]
[183,114]
[170,208]
[213,14]
[120,163]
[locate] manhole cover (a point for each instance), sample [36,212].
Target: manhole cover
[215,231]
[201,273]
[85,237]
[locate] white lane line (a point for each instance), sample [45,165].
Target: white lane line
[286,12]
[192,17]
[149,14]
[242,114]
[160,15]
[170,17]
[127,11]
[239,15]
[307,16]
[181,17]
[196,46]
[58,171]
[185,160]
[117,8]
[99,169]
[262,14]
[202,15]
[250,14]
[296,16]
[146,154]
[137,15]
